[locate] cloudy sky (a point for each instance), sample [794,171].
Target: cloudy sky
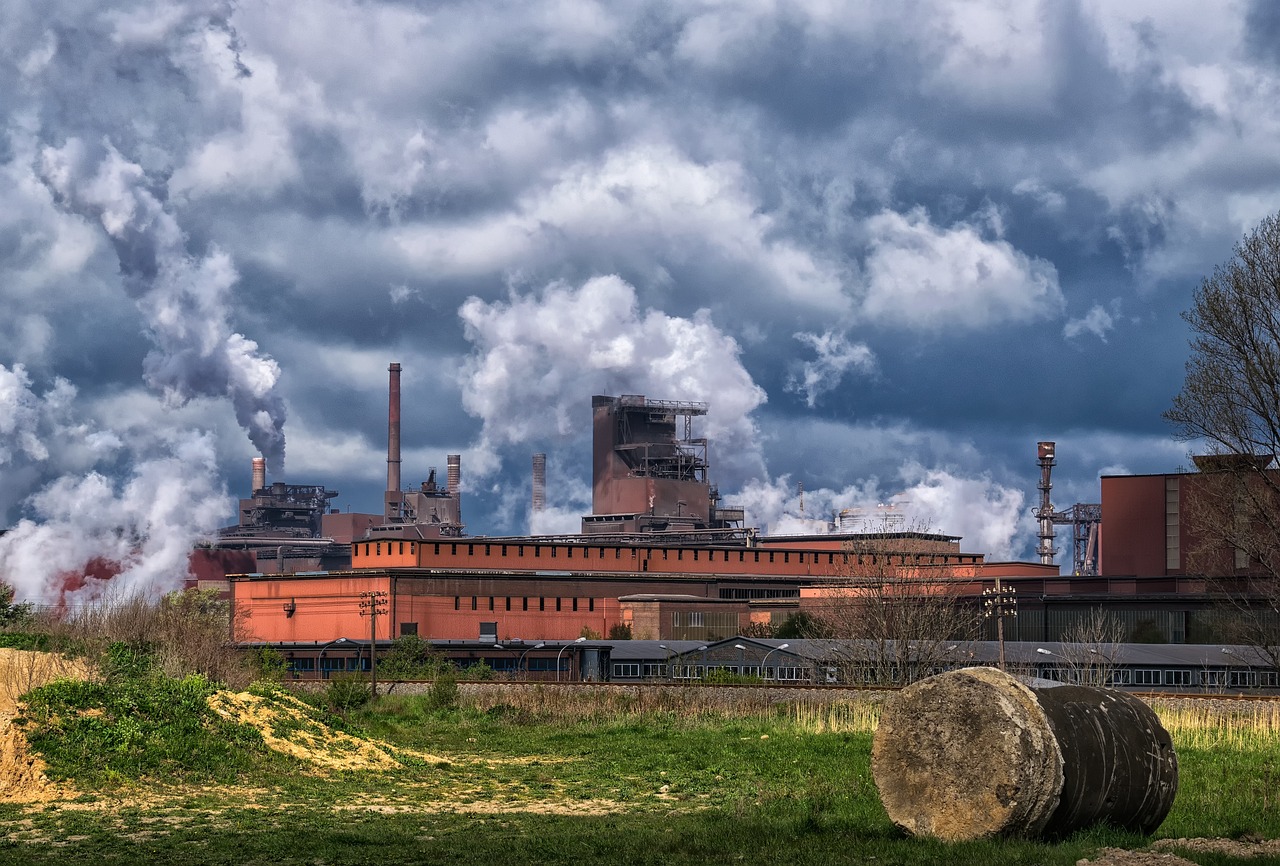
[892,244]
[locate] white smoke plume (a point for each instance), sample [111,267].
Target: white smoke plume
[835,356]
[184,299]
[141,529]
[537,359]
[988,516]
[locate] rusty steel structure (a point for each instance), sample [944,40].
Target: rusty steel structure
[649,473]
[1085,520]
[429,511]
[281,511]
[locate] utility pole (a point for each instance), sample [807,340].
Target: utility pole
[373,603]
[1000,602]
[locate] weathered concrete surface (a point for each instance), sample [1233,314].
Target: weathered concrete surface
[977,752]
[965,755]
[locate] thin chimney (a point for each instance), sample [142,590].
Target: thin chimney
[393,431]
[539,483]
[455,479]
[259,474]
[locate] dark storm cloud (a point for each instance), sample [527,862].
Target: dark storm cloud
[893,244]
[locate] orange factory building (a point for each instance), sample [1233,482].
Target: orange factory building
[559,589]
[659,554]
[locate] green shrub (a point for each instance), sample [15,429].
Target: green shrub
[347,692]
[444,691]
[268,663]
[619,631]
[128,660]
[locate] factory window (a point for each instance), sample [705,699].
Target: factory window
[471,550]
[626,670]
[553,551]
[757,556]
[591,605]
[742,556]
[542,603]
[486,550]
[831,559]
[504,550]
[664,553]
[568,551]
[695,556]
[457,603]
[1179,677]
[786,557]
[1146,677]
[575,605]
[519,550]
[771,556]
[508,602]
[402,548]
[408,628]
[378,549]
[537,551]
[437,548]
[490,602]
[557,604]
[679,554]
[617,553]
[473,602]
[453,550]
[524,603]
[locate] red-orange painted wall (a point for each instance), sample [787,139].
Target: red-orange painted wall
[320,608]
[323,608]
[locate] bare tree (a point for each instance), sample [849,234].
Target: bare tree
[1091,648]
[1230,402]
[895,609]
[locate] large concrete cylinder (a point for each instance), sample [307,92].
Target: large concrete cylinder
[977,752]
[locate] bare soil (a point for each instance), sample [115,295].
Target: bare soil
[22,773]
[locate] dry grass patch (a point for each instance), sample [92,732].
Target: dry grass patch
[287,726]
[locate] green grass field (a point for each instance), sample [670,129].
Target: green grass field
[163,779]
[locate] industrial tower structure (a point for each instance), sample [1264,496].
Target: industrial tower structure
[649,473]
[1085,519]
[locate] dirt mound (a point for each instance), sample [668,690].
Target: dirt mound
[24,670]
[22,773]
[287,725]
[1161,852]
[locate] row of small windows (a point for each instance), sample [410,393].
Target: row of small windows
[524,603]
[1215,677]
[394,548]
[653,670]
[398,548]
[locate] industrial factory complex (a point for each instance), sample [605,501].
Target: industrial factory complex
[660,559]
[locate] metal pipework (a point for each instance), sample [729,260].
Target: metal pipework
[1044,514]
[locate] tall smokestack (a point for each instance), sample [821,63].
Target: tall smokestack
[455,476]
[455,473]
[539,483]
[393,431]
[259,474]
